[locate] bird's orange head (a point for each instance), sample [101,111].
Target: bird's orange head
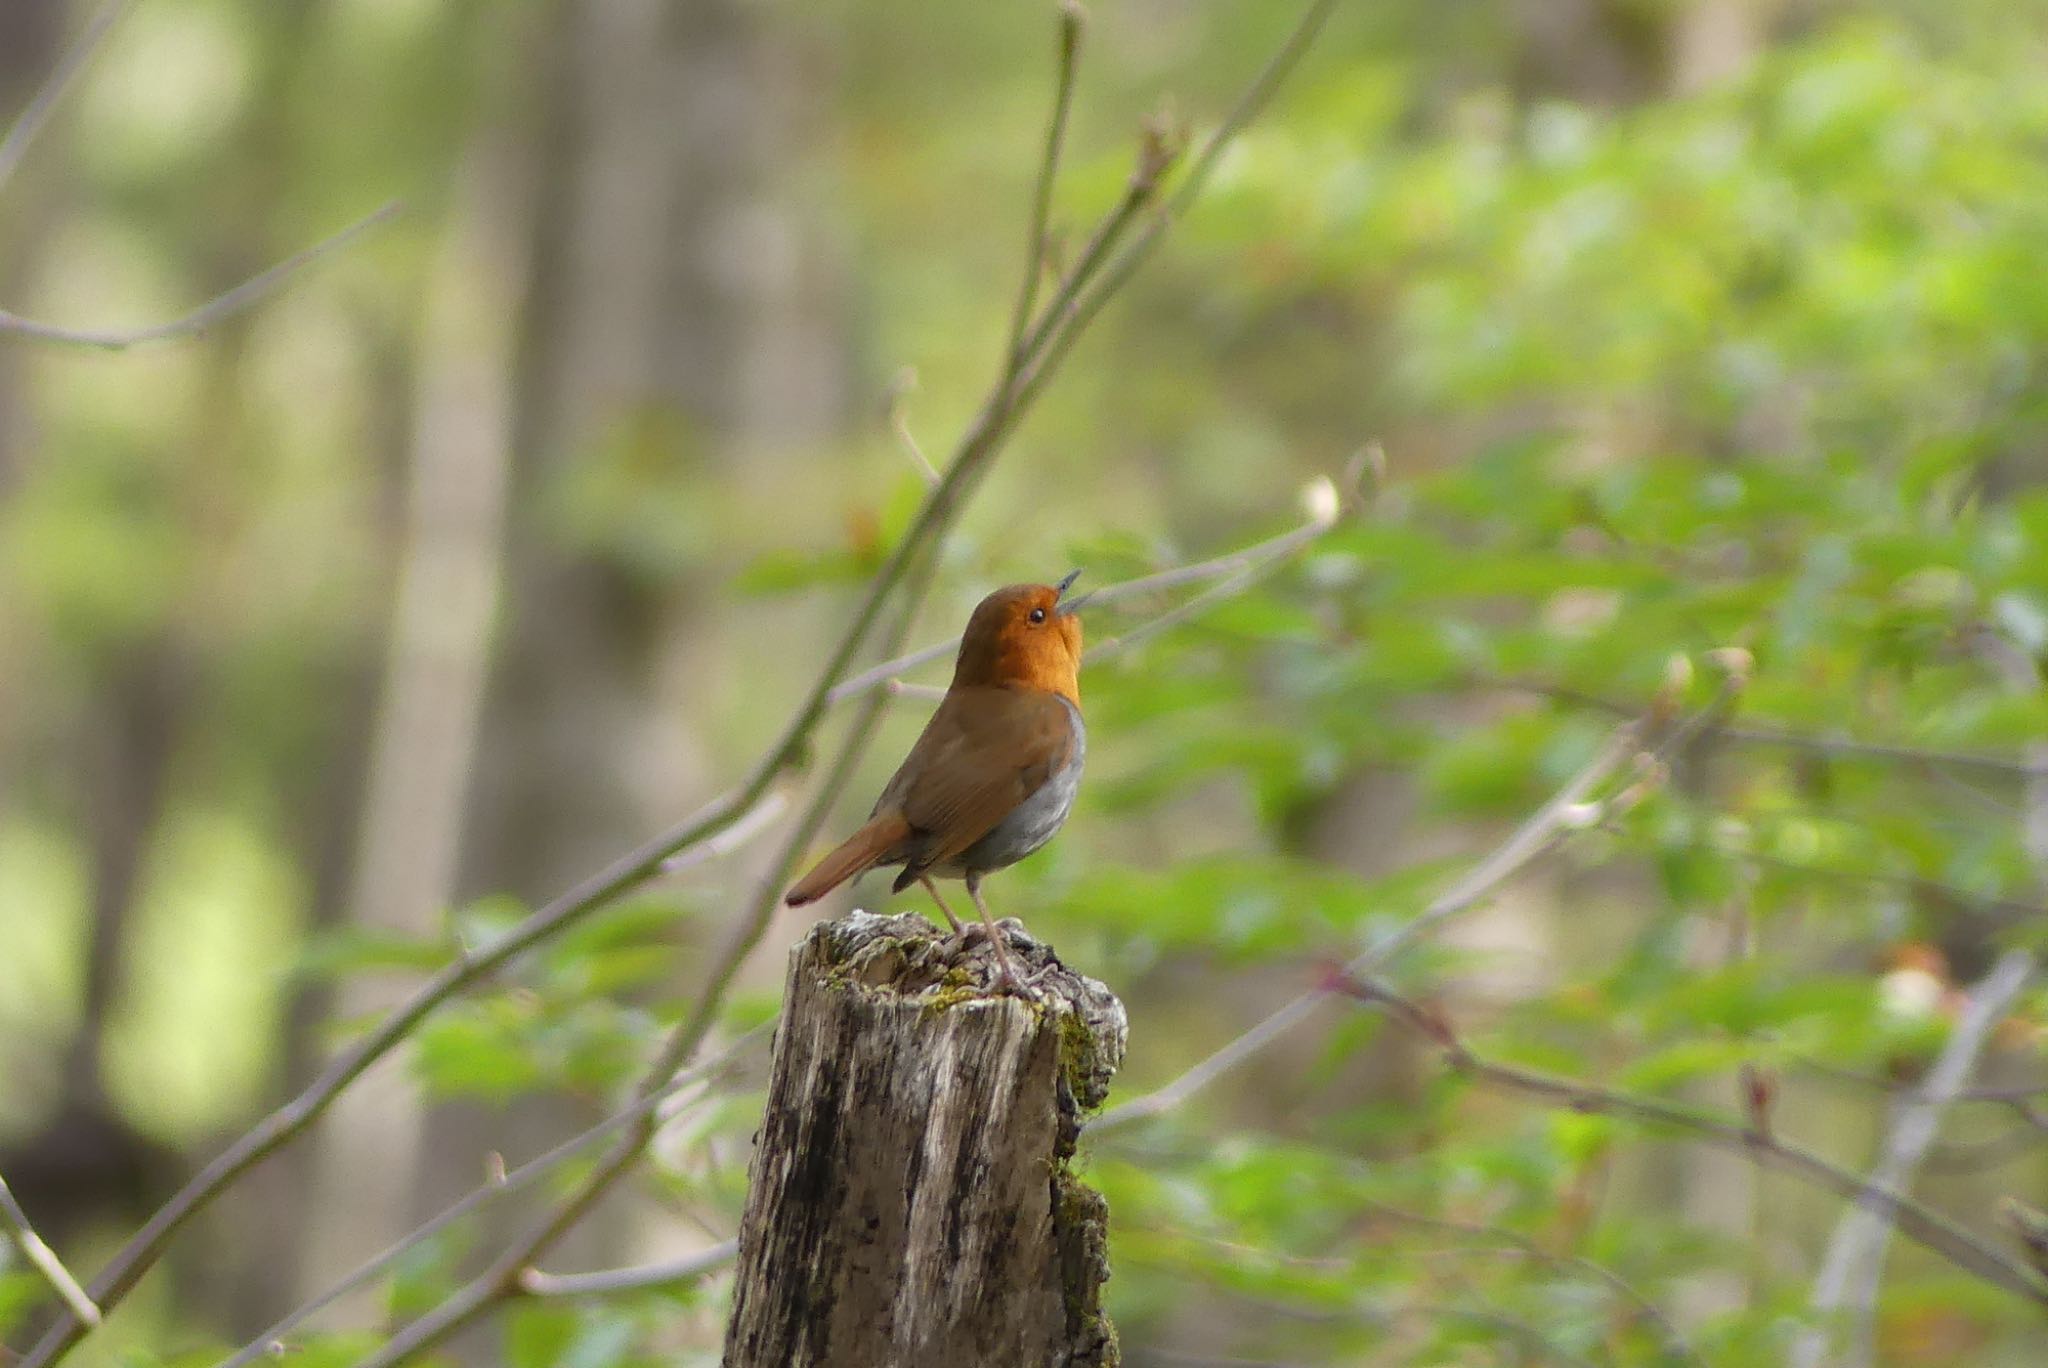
[1026,637]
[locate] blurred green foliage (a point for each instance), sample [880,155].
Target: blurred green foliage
[1757,366]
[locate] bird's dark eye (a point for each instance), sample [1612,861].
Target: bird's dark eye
[1038,614]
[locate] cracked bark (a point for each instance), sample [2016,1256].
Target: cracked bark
[911,1199]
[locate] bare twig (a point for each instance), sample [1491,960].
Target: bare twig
[1854,1263]
[222,306]
[37,113]
[1514,1243]
[899,423]
[1764,734]
[1538,833]
[503,1185]
[1255,558]
[1071,18]
[689,1268]
[507,1275]
[763,815]
[1919,1222]
[44,1259]
[1130,258]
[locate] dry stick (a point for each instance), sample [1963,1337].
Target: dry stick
[1048,172]
[508,1273]
[1522,1246]
[1257,555]
[1762,734]
[689,1268]
[1245,568]
[1565,811]
[32,118]
[1537,834]
[1854,1261]
[1854,1264]
[764,815]
[146,1246]
[43,1258]
[224,305]
[522,1177]
[1920,1223]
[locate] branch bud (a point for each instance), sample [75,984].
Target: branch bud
[1670,696]
[1735,662]
[1320,501]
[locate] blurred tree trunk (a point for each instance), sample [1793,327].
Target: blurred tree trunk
[669,333]
[423,747]
[1715,41]
[84,1162]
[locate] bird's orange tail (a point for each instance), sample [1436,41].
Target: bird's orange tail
[859,851]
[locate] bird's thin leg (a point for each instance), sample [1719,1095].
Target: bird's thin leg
[959,933]
[1006,968]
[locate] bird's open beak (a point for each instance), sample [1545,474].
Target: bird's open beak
[1070,605]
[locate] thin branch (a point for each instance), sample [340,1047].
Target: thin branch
[1910,1092]
[44,102]
[1920,1223]
[1126,262]
[1516,1244]
[506,1277]
[43,1258]
[1765,734]
[1854,1262]
[1192,607]
[504,1186]
[1559,815]
[763,815]
[1258,557]
[534,1283]
[899,423]
[222,306]
[1071,18]
[1976,1156]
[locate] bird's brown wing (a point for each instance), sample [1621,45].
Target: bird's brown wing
[985,751]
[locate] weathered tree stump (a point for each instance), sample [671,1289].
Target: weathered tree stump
[911,1200]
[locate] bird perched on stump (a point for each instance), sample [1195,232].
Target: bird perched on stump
[993,775]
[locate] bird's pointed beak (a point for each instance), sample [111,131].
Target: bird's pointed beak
[1068,605]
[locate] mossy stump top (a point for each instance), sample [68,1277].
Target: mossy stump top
[911,1199]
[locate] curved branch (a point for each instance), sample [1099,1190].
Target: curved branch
[1920,1223]
[42,1258]
[228,303]
[40,106]
[522,1177]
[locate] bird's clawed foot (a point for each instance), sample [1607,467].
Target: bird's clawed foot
[964,938]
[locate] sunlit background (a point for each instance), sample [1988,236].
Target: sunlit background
[509,532]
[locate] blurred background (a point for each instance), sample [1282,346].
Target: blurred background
[335,638]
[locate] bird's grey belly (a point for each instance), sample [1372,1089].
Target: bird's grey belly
[1034,821]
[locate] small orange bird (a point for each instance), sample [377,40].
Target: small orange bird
[993,776]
